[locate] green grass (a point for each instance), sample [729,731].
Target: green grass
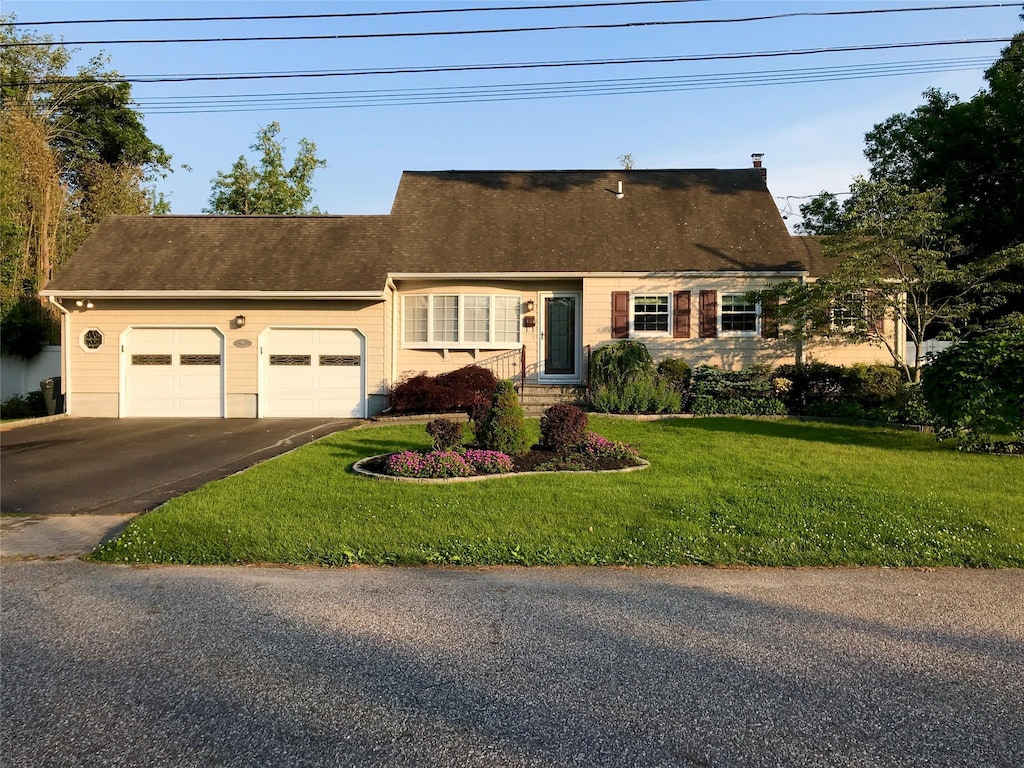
[719,490]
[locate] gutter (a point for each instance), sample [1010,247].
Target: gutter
[560,275]
[255,295]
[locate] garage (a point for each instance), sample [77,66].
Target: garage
[312,372]
[173,372]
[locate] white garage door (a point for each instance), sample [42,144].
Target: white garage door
[174,372]
[312,372]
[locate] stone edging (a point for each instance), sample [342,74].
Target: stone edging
[362,470]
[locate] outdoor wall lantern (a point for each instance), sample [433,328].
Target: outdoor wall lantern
[529,306]
[240,321]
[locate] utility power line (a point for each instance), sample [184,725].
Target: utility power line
[302,101]
[356,15]
[223,77]
[508,30]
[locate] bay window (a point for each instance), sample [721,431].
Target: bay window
[466,321]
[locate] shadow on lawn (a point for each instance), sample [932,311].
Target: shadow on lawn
[835,434]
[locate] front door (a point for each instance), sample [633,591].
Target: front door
[561,345]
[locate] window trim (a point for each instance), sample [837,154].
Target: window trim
[738,334]
[431,343]
[669,300]
[85,347]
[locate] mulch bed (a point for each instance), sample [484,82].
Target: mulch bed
[529,462]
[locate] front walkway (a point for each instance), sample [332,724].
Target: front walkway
[57,535]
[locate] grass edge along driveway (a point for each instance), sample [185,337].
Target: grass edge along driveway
[719,491]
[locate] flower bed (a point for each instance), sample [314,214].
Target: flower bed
[594,454]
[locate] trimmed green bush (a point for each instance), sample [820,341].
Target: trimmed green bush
[976,388]
[676,372]
[504,427]
[857,392]
[562,427]
[616,364]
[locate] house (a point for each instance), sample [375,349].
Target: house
[264,316]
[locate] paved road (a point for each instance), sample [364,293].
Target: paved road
[118,666]
[115,466]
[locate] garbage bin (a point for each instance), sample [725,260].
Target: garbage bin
[52,395]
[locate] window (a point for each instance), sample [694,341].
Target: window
[739,315]
[417,311]
[92,339]
[506,319]
[446,318]
[651,314]
[467,320]
[849,313]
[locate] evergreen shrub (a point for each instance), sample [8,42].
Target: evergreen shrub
[504,427]
[749,392]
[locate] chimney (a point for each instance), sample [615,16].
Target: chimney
[756,157]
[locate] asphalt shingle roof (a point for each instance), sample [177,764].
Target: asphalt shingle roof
[447,222]
[231,253]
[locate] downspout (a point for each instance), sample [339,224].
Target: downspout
[65,353]
[395,330]
[799,339]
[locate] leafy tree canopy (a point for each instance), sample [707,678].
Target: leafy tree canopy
[72,150]
[269,188]
[897,262]
[971,150]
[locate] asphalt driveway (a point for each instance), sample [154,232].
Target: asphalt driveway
[122,466]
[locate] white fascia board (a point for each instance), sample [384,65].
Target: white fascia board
[312,295]
[570,275]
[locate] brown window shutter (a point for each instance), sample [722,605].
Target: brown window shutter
[681,315]
[708,314]
[769,319]
[620,314]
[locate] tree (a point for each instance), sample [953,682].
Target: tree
[72,150]
[269,189]
[970,152]
[626,161]
[897,261]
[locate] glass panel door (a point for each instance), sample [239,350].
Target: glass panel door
[560,335]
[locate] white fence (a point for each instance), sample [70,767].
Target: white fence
[931,348]
[19,376]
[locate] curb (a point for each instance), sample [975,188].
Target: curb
[9,425]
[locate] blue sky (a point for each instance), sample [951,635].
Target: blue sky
[810,132]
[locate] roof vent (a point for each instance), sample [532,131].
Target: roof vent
[619,194]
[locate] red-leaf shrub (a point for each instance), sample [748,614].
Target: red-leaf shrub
[562,427]
[457,390]
[447,434]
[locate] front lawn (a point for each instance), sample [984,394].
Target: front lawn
[718,491]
